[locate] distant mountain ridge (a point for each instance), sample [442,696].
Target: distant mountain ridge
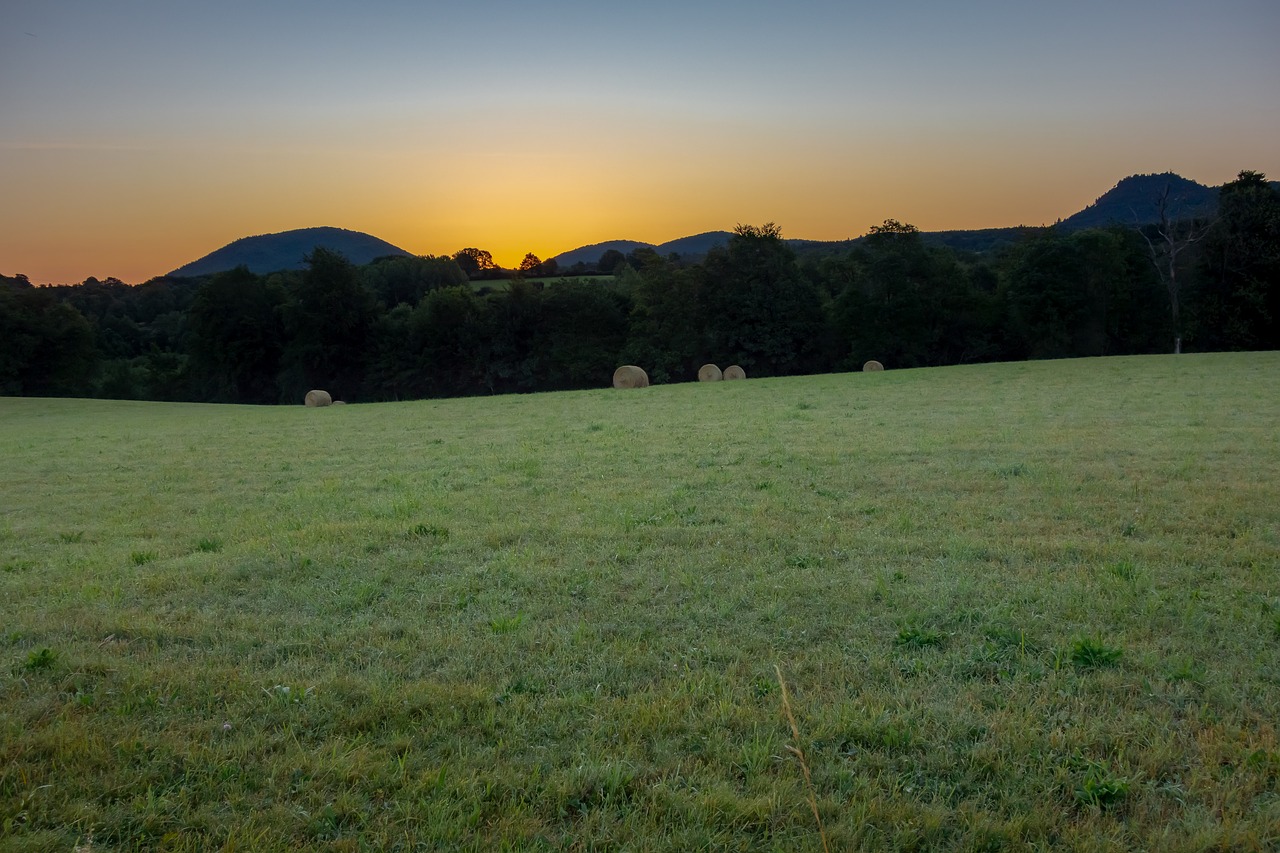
[695,245]
[592,253]
[286,250]
[1132,201]
[698,244]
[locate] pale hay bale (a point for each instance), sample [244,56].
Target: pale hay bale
[339,402]
[872,365]
[630,376]
[733,371]
[318,398]
[709,373]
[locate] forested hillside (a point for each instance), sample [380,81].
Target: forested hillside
[1136,199]
[268,253]
[409,327]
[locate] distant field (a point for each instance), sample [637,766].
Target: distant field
[1016,606]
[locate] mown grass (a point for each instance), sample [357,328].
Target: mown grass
[1015,606]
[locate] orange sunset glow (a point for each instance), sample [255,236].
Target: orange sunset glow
[138,140]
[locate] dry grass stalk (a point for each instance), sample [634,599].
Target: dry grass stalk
[709,373]
[733,371]
[872,365]
[798,752]
[318,398]
[630,376]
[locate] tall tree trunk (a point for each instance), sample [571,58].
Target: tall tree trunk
[1174,236]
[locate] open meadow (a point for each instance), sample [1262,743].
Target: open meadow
[1015,606]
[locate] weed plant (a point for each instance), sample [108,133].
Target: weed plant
[1019,606]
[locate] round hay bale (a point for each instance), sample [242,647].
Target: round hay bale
[733,371]
[630,376]
[709,373]
[339,402]
[872,365]
[318,398]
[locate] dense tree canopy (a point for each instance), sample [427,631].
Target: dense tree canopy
[404,280]
[408,327]
[1086,293]
[1241,268]
[898,301]
[46,346]
[329,320]
[757,309]
[237,338]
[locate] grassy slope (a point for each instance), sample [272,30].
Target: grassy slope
[550,619]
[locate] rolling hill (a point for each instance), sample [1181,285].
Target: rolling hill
[591,254]
[285,251]
[1134,200]
[698,244]
[695,245]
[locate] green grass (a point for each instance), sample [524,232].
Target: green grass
[1015,606]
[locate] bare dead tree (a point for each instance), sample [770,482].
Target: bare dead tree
[1173,235]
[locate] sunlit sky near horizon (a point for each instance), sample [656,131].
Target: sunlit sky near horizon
[139,135]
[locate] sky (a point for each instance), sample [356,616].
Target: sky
[139,135]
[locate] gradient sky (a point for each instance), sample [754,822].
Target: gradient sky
[138,135]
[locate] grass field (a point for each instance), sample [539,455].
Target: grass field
[1019,606]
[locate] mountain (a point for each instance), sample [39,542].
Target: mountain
[688,247]
[1136,200]
[286,250]
[1133,200]
[698,244]
[589,255]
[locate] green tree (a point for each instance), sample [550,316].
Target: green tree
[1048,298]
[167,375]
[758,310]
[514,363]
[447,331]
[394,372]
[1083,294]
[236,338]
[46,346]
[399,279]
[582,332]
[907,304]
[665,332]
[1125,314]
[329,320]
[1241,267]
[610,261]
[474,262]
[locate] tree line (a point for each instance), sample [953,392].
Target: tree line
[413,327]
